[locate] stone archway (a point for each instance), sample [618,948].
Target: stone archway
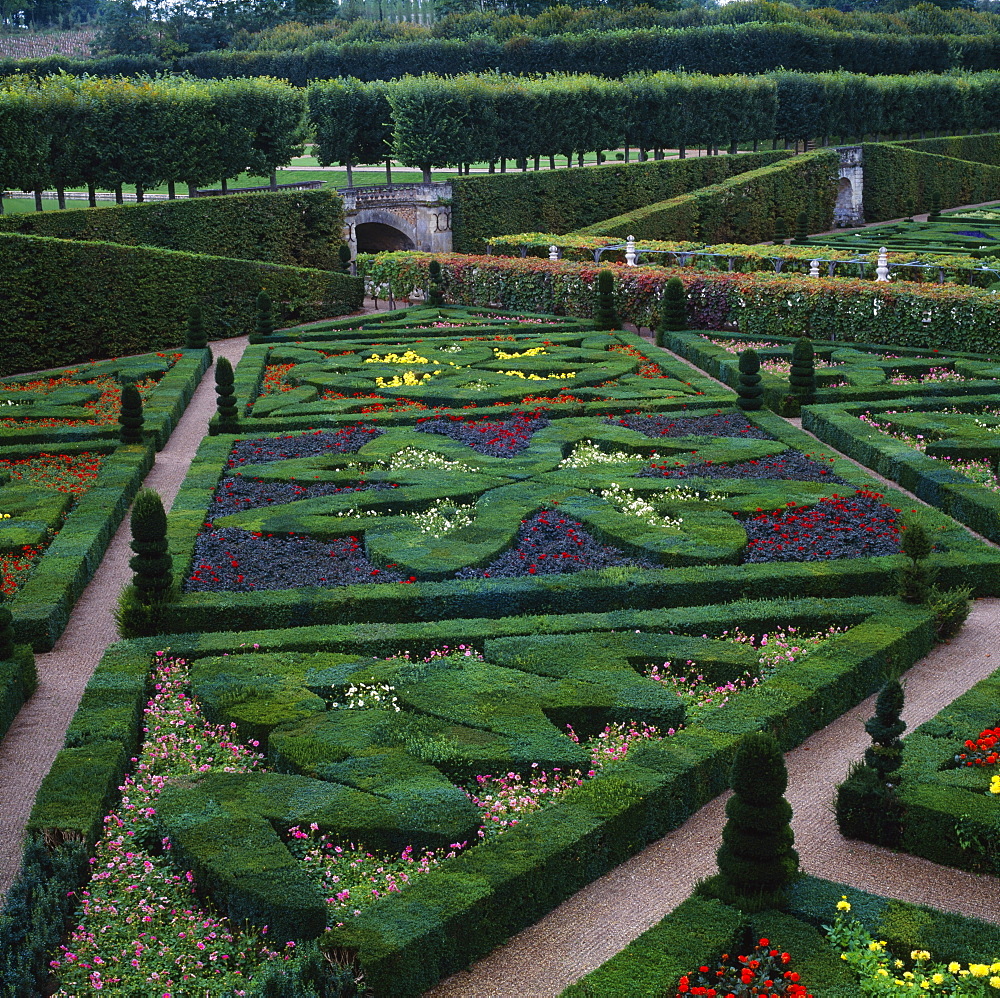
[848,208]
[378,237]
[844,204]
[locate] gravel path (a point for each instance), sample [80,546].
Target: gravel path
[37,733]
[604,917]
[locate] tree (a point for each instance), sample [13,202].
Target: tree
[431,123]
[672,313]
[916,578]
[606,315]
[226,394]
[151,564]
[756,858]
[131,417]
[435,295]
[749,390]
[802,377]
[196,336]
[885,755]
[265,315]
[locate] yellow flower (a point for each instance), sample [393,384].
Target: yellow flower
[898,963]
[919,954]
[410,357]
[925,984]
[874,946]
[995,983]
[843,904]
[954,967]
[995,785]
[504,355]
[979,969]
[938,978]
[882,972]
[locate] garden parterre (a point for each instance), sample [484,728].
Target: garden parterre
[845,372]
[372,734]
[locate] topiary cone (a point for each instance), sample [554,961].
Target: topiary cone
[152,565]
[801,228]
[196,339]
[605,315]
[435,293]
[802,377]
[344,258]
[886,753]
[780,230]
[672,311]
[756,858]
[749,390]
[265,316]
[131,418]
[226,394]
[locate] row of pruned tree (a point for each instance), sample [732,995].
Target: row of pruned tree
[64,131]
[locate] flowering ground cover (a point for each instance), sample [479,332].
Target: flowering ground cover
[363,773]
[944,451]
[58,511]
[845,372]
[84,402]
[442,361]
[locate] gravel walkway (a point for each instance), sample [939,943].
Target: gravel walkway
[37,733]
[604,917]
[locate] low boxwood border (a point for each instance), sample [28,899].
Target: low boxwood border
[18,679]
[967,562]
[41,607]
[162,410]
[932,480]
[721,364]
[698,930]
[445,920]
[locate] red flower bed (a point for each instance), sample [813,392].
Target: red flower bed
[984,751]
[765,972]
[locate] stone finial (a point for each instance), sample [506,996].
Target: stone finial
[630,254]
[814,268]
[882,270]
[553,253]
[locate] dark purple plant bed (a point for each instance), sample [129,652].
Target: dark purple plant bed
[238,560]
[237,493]
[491,437]
[788,465]
[260,450]
[855,526]
[549,544]
[717,425]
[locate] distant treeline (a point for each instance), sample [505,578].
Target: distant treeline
[715,49]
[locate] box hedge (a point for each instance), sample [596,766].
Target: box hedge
[68,301]
[293,228]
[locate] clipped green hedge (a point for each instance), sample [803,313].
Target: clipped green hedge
[896,313]
[740,209]
[161,411]
[41,607]
[698,930]
[67,301]
[866,375]
[565,200]
[18,680]
[407,942]
[293,228]
[901,181]
[933,481]
[971,148]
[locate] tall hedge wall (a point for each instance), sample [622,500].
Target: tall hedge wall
[564,200]
[68,301]
[973,148]
[740,209]
[900,181]
[296,228]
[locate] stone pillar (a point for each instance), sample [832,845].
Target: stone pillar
[630,254]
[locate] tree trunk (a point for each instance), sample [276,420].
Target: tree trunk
[171,190]
[92,195]
[138,193]
[350,172]
[579,159]
[61,194]
[681,152]
[569,161]
[388,171]
[627,151]
[754,145]
[1,202]
[274,180]
[425,169]
[225,186]
[538,163]
[503,164]
[38,199]
[552,162]
[493,166]
[192,191]
[733,148]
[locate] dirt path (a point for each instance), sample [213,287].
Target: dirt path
[37,733]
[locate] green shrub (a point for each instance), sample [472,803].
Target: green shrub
[756,858]
[605,314]
[293,228]
[344,258]
[749,389]
[144,298]
[780,232]
[951,609]
[885,753]
[131,418]
[265,316]
[801,229]
[802,377]
[915,579]
[228,413]
[6,633]
[435,295]
[152,565]
[197,338]
[672,313]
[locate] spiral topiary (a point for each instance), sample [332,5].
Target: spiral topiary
[780,230]
[226,393]
[802,377]
[435,293]
[749,390]
[131,418]
[152,564]
[801,228]
[606,315]
[344,258]
[672,313]
[756,858]
[265,315]
[197,339]
[885,755]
